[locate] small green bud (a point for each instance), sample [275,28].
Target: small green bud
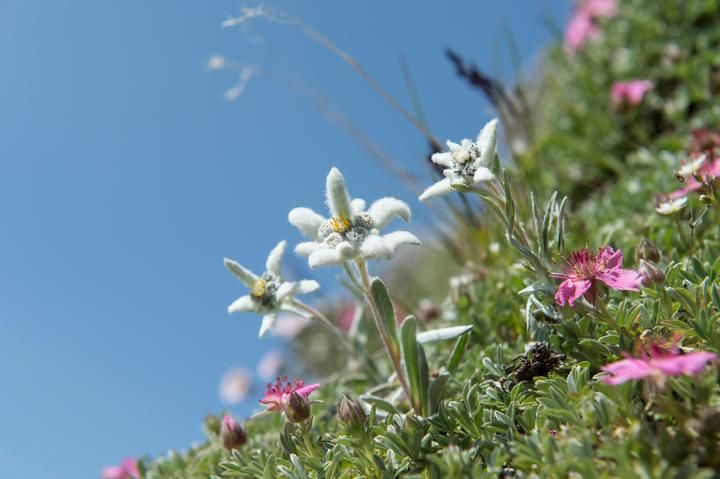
[232,433]
[296,407]
[647,250]
[351,412]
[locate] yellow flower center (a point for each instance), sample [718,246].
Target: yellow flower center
[340,224]
[258,288]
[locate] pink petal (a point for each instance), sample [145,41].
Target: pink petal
[272,401]
[611,258]
[691,185]
[129,466]
[626,370]
[687,364]
[600,8]
[617,93]
[570,290]
[112,472]
[306,390]
[622,279]
[579,30]
[637,89]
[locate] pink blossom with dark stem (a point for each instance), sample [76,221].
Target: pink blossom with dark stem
[277,395]
[657,363]
[629,93]
[126,470]
[584,270]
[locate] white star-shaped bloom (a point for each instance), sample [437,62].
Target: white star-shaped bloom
[351,232]
[269,293]
[467,163]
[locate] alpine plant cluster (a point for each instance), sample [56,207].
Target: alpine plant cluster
[563,322]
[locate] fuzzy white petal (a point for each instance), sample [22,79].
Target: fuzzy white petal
[306,286]
[453,147]
[325,257]
[358,205]
[374,247]
[242,304]
[487,142]
[307,248]
[443,159]
[267,321]
[671,206]
[483,174]
[385,209]
[442,187]
[285,290]
[273,260]
[397,238]
[242,273]
[338,199]
[306,220]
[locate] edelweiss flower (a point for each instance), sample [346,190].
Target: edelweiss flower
[268,293]
[656,363]
[692,167]
[351,232]
[466,163]
[585,269]
[669,207]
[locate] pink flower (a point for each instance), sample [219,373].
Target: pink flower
[600,8]
[657,363]
[126,470]
[582,26]
[580,29]
[346,317]
[629,93]
[584,270]
[277,395]
[709,170]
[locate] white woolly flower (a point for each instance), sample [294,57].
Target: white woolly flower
[671,206]
[690,168]
[269,293]
[351,232]
[467,163]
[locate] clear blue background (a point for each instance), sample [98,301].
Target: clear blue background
[125,177]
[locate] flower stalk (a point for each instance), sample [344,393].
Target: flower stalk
[392,351]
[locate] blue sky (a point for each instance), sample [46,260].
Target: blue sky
[125,177]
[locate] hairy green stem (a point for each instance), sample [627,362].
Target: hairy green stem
[394,356]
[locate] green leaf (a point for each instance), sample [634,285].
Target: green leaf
[379,403]
[415,365]
[442,334]
[437,390]
[381,296]
[298,466]
[457,352]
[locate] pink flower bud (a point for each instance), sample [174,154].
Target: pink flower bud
[232,433]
